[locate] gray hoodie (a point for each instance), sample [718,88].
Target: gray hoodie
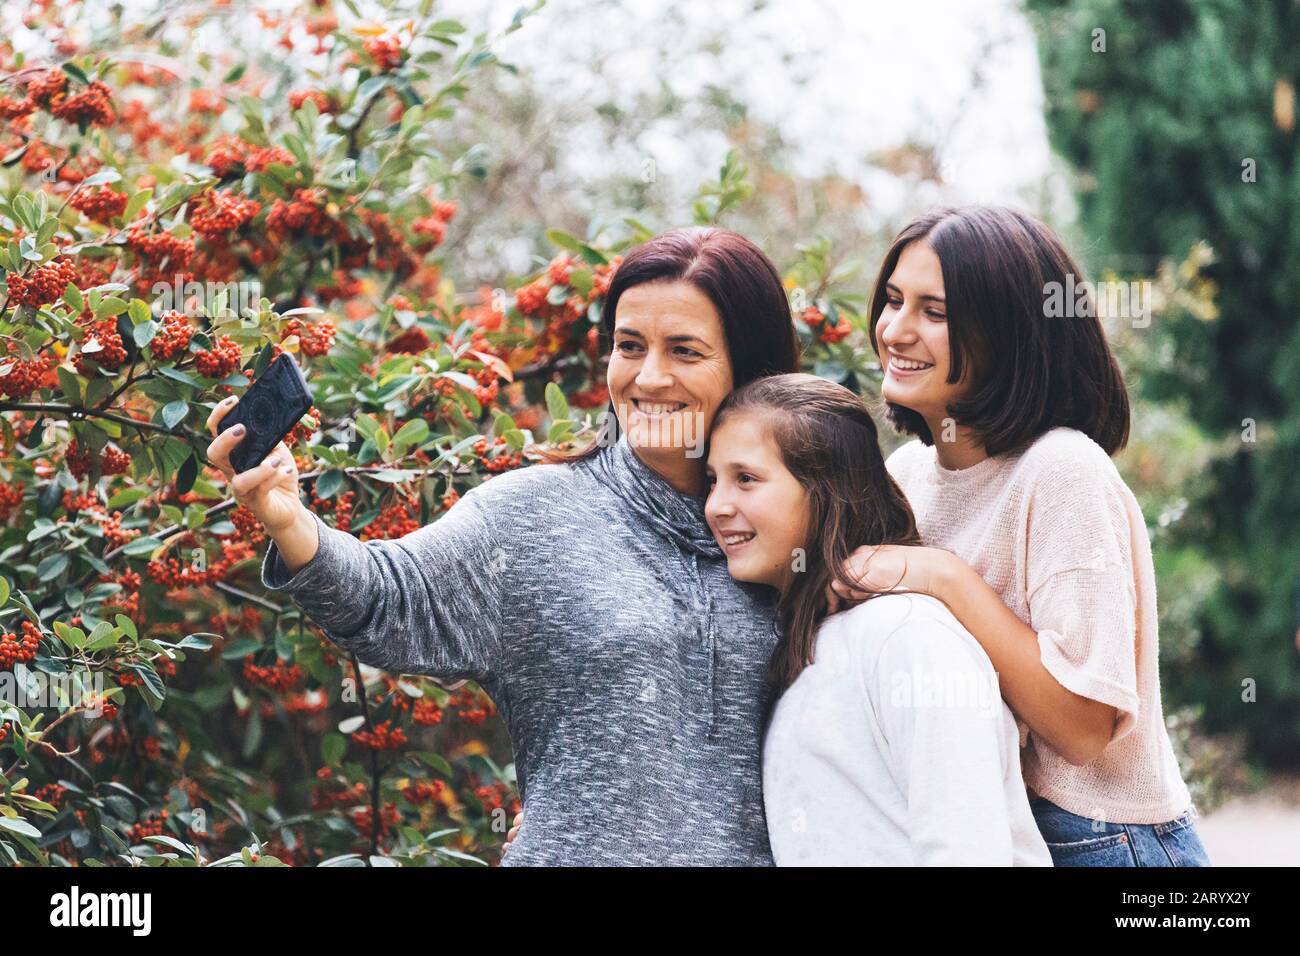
[592,604]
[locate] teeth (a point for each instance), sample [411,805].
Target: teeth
[659,408]
[908,364]
[737,538]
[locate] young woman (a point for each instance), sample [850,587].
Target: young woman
[588,598]
[890,744]
[1031,537]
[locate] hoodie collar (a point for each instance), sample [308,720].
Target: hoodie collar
[677,516]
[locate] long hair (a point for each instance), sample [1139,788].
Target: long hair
[828,443]
[741,282]
[1031,371]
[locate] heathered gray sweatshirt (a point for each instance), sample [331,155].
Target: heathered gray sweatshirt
[592,603]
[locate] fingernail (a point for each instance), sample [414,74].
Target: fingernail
[238,429]
[274,462]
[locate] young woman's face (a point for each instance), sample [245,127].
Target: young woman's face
[669,369]
[758,512]
[912,335]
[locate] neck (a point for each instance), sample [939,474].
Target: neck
[683,473]
[964,450]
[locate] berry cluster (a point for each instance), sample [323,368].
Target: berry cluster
[388,818]
[472,707]
[173,338]
[220,213]
[147,828]
[394,521]
[103,347]
[313,339]
[24,377]
[42,285]
[386,52]
[494,797]
[50,90]
[814,318]
[15,649]
[383,737]
[427,713]
[420,792]
[305,213]
[322,101]
[497,462]
[100,204]
[413,341]
[280,676]
[223,360]
[11,497]
[231,156]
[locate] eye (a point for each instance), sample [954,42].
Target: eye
[936,315]
[627,345]
[745,477]
[682,349]
[893,301]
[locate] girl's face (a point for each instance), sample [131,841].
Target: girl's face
[669,369]
[912,336]
[758,511]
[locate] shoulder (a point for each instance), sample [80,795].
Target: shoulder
[897,632]
[534,480]
[1065,450]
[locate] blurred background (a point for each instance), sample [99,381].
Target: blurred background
[1158,136]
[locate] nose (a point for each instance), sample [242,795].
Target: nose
[654,372]
[898,329]
[717,506]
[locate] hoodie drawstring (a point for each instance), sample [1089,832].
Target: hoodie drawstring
[709,635]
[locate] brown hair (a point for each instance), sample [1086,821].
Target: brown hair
[828,442]
[1031,372]
[741,282]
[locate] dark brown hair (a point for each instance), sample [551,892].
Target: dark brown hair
[828,443]
[1029,372]
[740,281]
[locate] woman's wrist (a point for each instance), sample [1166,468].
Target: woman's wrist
[299,541]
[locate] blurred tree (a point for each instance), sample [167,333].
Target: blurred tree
[1180,118]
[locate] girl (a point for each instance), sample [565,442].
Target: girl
[587,598]
[890,744]
[1032,538]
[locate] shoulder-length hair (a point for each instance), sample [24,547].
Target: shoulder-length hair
[1032,370]
[828,442]
[741,282]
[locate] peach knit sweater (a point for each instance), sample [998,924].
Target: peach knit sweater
[1056,532]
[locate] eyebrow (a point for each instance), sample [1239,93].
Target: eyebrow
[933,298]
[672,338]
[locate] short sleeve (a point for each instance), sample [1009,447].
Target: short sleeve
[1082,584]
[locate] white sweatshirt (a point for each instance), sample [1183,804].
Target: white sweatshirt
[894,748]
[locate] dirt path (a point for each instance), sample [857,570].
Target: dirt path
[1257,830]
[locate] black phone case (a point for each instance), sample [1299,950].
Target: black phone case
[268,410]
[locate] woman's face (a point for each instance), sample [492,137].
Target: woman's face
[669,369]
[758,512]
[912,336]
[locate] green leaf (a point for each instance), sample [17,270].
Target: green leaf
[556,404]
[173,413]
[52,566]
[18,825]
[412,433]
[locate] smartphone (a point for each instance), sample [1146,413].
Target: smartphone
[268,411]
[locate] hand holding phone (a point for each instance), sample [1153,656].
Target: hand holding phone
[250,434]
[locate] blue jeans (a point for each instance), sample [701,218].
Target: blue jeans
[1077,841]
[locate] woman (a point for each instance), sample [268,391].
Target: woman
[588,598]
[890,745]
[1032,538]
